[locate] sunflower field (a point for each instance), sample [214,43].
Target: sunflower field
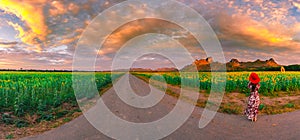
[37,92]
[271,82]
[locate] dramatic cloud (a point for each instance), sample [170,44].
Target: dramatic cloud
[139,27]
[255,34]
[297,4]
[59,8]
[42,34]
[261,28]
[3,42]
[31,13]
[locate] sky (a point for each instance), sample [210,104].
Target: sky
[43,34]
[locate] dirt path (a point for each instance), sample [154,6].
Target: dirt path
[223,126]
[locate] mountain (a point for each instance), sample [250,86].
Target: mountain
[201,65]
[166,69]
[233,65]
[140,70]
[153,70]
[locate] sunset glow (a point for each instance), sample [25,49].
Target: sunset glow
[42,34]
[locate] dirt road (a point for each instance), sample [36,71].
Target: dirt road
[223,126]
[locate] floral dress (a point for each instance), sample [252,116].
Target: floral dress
[253,102]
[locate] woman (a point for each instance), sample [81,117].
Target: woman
[253,100]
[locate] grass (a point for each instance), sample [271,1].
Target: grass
[10,136]
[28,99]
[273,84]
[273,103]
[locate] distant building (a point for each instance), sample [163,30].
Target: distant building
[282,69]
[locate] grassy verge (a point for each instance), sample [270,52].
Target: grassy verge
[235,103]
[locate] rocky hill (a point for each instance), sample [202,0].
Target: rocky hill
[234,65]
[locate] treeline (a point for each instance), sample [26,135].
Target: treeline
[287,68]
[34,70]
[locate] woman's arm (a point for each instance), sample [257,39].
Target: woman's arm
[249,85]
[258,86]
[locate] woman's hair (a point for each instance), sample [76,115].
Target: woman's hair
[253,87]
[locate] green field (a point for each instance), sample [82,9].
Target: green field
[279,91]
[50,95]
[42,94]
[272,83]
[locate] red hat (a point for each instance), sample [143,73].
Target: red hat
[254,78]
